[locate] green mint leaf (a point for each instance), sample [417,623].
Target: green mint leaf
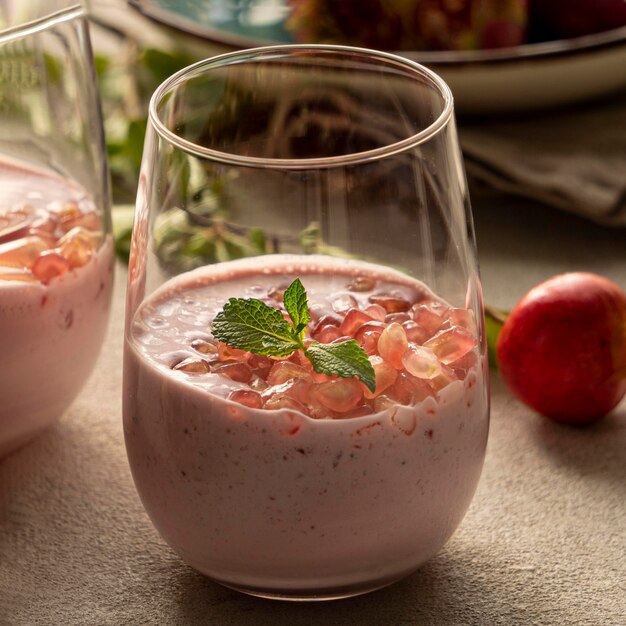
[346,359]
[297,306]
[249,324]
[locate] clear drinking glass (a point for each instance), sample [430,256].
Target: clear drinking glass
[339,166]
[56,252]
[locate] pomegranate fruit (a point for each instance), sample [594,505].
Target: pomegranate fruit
[562,350]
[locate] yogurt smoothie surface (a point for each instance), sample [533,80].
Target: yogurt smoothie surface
[317,497]
[56,277]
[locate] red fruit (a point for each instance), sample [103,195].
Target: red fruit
[48,265]
[410,24]
[573,18]
[562,350]
[247,397]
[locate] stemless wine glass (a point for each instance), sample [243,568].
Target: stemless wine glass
[338,166]
[56,252]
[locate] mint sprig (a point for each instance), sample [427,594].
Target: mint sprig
[297,306]
[251,325]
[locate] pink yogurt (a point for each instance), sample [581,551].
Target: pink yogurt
[273,502]
[50,333]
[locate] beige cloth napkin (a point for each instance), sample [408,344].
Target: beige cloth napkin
[572,159]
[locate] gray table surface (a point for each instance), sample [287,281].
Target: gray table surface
[544,541]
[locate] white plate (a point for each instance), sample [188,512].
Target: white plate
[484,82]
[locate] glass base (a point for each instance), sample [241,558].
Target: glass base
[313,595]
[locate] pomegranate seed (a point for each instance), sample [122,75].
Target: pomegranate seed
[192,365]
[409,390]
[460,317]
[49,265]
[368,327]
[77,246]
[205,346]
[283,371]
[385,377]
[438,306]
[327,334]
[414,332]
[247,397]
[397,317]
[320,412]
[261,365]
[376,312]
[240,372]
[318,377]
[299,358]
[383,402]
[341,339]
[462,365]
[451,344]
[362,283]
[393,344]
[391,304]
[277,293]
[340,395]
[325,320]
[446,377]
[22,252]
[369,342]
[421,362]
[344,303]
[91,220]
[368,335]
[71,216]
[298,389]
[66,213]
[226,353]
[427,317]
[353,320]
[421,390]
[278,402]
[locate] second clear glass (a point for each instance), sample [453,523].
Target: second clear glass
[339,166]
[56,247]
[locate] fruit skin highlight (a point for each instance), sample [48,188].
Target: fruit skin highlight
[562,350]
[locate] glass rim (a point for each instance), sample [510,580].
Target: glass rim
[253,54]
[40,24]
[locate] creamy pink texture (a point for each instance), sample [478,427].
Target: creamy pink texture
[50,333]
[275,502]
[50,336]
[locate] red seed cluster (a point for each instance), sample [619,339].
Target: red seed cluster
[416,349]
[37,244]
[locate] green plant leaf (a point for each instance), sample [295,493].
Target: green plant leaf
[297,306]
[257,239]
[494,320]
[162,64]
[249,324]
[346,359]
